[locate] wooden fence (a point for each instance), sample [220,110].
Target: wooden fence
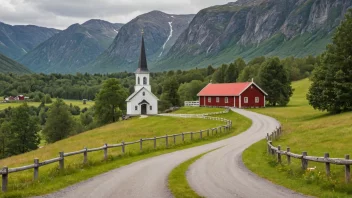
[61,159]
[278,152]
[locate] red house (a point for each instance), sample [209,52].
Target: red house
[239,95]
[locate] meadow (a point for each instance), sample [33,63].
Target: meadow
[305,129]
[78,103]
[50,178]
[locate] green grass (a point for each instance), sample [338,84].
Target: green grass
[197,110]
[177,181]
[36,104]
[50,179]
[305,129]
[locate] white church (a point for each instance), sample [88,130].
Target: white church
[142,101]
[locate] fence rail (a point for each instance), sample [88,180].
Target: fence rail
[191,103]
[5,171]
[305,158]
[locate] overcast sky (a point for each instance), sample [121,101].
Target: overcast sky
[62,13]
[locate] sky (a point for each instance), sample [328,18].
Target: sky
[62,13]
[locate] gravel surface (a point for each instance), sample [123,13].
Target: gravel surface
[217,174]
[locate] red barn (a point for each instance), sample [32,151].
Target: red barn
[239,95]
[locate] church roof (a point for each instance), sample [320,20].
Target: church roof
[142,64]
[136,92]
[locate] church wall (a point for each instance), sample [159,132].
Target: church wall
[137,99]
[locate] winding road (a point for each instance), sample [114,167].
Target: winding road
[217,174]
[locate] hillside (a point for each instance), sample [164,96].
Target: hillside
[305,129]
[17,40]
[8,65]
[254,28]
[72,48]
[160,33]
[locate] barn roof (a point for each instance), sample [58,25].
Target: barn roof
[227,89]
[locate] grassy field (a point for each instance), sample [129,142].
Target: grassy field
[36,104]
[305,129]
[21,184]
[193,110]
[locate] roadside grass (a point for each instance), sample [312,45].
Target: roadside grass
[51,179]
[305,129]
[177,181]
[197,110]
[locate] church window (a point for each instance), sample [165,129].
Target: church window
[143,93]
[144,80]
[139,81]
[151,108]
[136,108]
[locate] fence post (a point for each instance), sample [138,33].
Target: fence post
[105,151]
[36,169]
[304,161]
[154,142]
[191,136]
[167,141]
[268,146]
[183,137]
[288,157]
[85,159]
[279,154]
[5,173]
[123,147]
[347,170]
[62,160]
[141,144]
[274,135]
[201,134]
[208,132]
[174,139]
[272,150]
[267,136]
[327,164]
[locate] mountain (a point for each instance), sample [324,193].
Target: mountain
[161,30]
[15,41]
[72,48]
[8,65]
[251,28]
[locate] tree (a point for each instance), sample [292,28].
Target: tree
[110,101]
[23,128]
[219,74]
[274,79]
[59,123]
[331,88]
[170,94]
[189,91]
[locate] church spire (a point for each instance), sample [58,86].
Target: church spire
[142,65]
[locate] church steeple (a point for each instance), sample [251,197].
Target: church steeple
[142,65]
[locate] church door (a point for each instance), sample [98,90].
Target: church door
[144,109]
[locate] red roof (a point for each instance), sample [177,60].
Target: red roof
[226,89]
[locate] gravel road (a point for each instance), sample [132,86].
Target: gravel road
[217,174]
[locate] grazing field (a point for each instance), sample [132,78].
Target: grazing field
[36,104]
[51,179]
[305,129]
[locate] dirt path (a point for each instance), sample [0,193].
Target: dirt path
[218,174]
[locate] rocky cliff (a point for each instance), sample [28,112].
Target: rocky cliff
[250,28]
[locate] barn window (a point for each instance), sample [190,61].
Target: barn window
[209,99]
[144,80]
[217,99]
[139,81]
[226,100]
[245,99]
[256,99]
[136,108]
[143,93]
[150,107]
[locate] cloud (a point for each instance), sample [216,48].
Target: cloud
[62,13]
